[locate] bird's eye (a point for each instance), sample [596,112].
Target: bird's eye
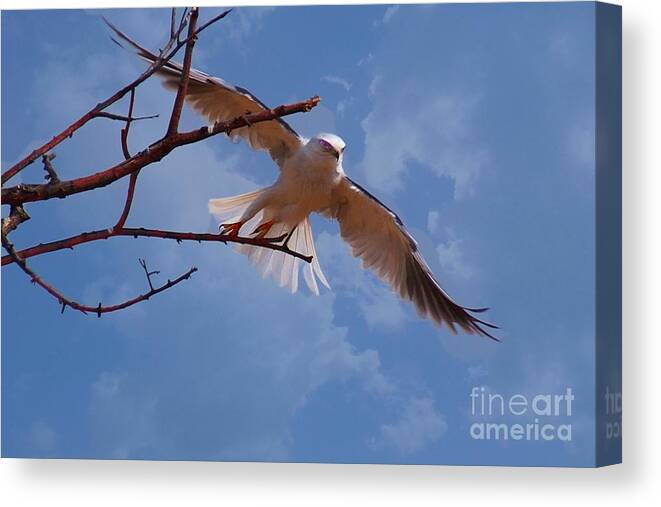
[325,145]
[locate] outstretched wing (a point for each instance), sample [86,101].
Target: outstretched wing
[379,238]
[220,101]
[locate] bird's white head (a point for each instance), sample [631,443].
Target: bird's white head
[327,145]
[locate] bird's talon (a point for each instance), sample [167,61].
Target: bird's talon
[231,229]
[262,229]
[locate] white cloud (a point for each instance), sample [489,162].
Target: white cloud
[477,372]
[338,81]
[343,105]
[419,426]
[374,83]
[432,221]
[388,14]
[365,60]
[451,256]
[234,387]
[424,118]
[410,124]
[246,21]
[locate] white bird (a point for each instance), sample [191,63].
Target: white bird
[312,180]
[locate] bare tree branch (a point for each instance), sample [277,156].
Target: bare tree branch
[133,180]
[17,216]
[64,301]
[101,234]
[182,90]
[23,193]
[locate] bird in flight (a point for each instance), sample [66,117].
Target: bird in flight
[312,180]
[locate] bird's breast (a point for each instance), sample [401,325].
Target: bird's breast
[308,184]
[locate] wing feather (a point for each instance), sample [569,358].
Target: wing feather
[377,236]
[218,101]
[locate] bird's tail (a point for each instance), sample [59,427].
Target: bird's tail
[282,267]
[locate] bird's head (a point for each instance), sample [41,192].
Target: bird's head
[328,144]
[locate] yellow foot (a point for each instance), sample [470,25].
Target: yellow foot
[231,229]
[263,229]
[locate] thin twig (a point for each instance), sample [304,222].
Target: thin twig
[64,301]
[124,134]
[51,175]
[121,117]
[148,273]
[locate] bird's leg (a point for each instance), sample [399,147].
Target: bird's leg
[263,229]
[231,229]
[286,242]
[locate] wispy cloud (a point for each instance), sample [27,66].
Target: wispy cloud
[365,60]
[428,128]
[477,372]
[433,217]
[247,21]
[388,14]
[343,105]
[124,419]
[340,81]
[451,256]
[420,425]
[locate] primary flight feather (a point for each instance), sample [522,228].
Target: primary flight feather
[312,180]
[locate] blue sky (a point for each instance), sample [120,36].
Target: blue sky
[475,123]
